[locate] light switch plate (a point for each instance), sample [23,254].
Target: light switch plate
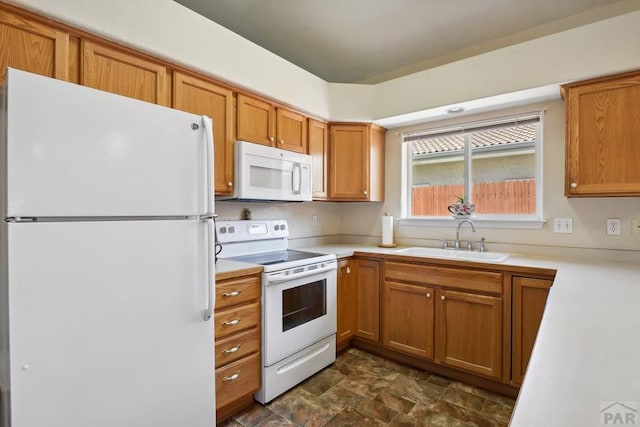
[635,226]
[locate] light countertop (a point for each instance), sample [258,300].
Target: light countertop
[587,353]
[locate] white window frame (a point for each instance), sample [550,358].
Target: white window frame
[534,221]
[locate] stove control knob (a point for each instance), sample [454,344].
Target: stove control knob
[223,230]
[232,229]
[282,227]
[276,227]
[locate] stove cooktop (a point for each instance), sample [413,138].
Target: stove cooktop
[279,257]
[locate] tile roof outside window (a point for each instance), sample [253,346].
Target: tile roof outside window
[487,138]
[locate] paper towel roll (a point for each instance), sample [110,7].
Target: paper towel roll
[387,230]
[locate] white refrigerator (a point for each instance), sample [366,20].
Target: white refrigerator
[107,270]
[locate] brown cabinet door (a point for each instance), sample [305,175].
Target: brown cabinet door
[347,301]
[603,137]
[291,130]
[529,299]
[407,318]
[319,149]
[349,162]
[201,97]
[33,47]
[368,297]
[256,121]
[469,332]
[119,72]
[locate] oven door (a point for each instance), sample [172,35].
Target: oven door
[298,311]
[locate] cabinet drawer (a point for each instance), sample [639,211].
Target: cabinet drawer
[237,346]
[237,291]
[237,379]
[453,278]
[235,320]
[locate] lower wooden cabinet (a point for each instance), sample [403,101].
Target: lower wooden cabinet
[237,342]
[346,302]
[469,332]
[407,318]
[529,299]
[368,299]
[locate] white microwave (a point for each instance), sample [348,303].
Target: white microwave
[268,173]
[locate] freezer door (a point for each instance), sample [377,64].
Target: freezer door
[77,151]
[106,325]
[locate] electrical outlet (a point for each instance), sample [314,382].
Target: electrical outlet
[635,226]
[613,226]
[314,220]
[563,225]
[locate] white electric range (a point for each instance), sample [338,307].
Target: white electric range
[298,301]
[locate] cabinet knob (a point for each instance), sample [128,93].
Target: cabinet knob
[442,298]
[282,141]
[574,185]
[428,294]
[229,184]
[232,349]
[271,139]
[233,293]
[348,270]
[232,322]
[232,377]
[365,192]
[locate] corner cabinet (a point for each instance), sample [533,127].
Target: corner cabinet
[203,97]
[356,162]
[529,299]
[603,136]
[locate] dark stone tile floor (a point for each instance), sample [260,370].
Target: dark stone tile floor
[361,389]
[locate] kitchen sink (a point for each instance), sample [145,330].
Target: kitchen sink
[458,254]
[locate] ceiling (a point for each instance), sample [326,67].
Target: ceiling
[370,41]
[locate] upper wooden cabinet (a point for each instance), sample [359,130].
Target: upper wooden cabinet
[603,136]
[202,97]
[319,149]
[30,46]
[256,121]
[356,162]
[116,71]
[262,123]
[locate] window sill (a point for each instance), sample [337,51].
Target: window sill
[483,222]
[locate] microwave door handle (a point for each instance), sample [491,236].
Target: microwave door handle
[296,177]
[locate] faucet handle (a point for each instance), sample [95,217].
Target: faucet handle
[482,245]
[469,246]
[445,244]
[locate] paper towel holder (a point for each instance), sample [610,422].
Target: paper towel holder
[388,245]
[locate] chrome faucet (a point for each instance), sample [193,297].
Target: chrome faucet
[473,228]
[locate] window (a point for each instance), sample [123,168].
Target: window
[494,165]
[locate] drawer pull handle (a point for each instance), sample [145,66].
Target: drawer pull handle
[232,377]
[232,349]
[232,294]
[232,322]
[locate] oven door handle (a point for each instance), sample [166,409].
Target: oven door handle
[280,276]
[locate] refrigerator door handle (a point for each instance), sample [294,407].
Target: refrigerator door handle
[210,267]
[208,128]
